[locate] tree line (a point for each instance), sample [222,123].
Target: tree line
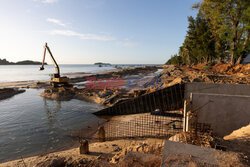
[25,62]
[218,33]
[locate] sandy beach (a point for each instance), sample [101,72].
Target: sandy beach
[106,152]
[124,83]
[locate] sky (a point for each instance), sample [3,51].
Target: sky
[89,31]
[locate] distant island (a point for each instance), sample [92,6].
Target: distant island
[25,62]
[100,64]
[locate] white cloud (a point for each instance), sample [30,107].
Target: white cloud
[49,1]
[46,1]
[55,21]
[127,43]
[82,36]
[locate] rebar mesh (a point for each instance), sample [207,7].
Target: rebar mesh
[146,125]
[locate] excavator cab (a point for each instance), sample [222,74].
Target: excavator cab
[56,79]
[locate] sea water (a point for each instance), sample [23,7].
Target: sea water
[31,124]
[14,73]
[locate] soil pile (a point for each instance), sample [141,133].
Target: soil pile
[60,93]
[220,73]
[170,75]
[9,92]
[242,135]
[139,152]
[227,68]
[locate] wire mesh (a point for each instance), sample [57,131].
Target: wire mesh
[145,125]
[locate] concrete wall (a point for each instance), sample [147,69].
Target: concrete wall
[226,113]
[225,106]
[226,89]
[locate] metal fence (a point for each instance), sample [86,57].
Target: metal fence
[167,99]
[157,115]
[144,125]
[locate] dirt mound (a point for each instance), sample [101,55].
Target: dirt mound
[201,66]
[228,68]
[221,68]
[102,154]
[180,154]
[170,75]
[184,161]
[220,73]
[61,93]
[140,160]
[9,92]
[242,134]
[246,69]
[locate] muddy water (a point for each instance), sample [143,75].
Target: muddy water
[31,125]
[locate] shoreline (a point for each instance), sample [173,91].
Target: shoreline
[99,151]
[72,151]
[112,152]
[76,79]
[107,151]
[170,75]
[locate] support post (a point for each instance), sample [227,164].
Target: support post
[189,113]
[84,147]
[187,121]
[101,133]
[185,116]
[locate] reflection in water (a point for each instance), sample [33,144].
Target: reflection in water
[51,112]
[52,107]
[30,124]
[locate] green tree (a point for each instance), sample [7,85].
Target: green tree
[199,44]
[229,22]
[175,59]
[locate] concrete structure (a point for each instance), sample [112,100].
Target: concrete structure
[180,154]
[225,106]
[212,88]
[225,113]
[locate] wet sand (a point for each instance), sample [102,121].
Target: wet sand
[6,93]
[170,75]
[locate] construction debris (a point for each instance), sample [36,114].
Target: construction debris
[140,160]
[102,154]
[180,154]
[169,76]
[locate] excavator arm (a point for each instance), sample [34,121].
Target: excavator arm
[52,58]
[56,79]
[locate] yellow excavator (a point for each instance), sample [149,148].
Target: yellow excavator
[56,79]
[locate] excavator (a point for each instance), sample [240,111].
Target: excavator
[56,79]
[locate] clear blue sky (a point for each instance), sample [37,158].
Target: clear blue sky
[89,31]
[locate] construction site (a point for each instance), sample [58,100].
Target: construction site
[125,83]
[179,116]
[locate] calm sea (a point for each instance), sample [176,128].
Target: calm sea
[12,73]
[32,125]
